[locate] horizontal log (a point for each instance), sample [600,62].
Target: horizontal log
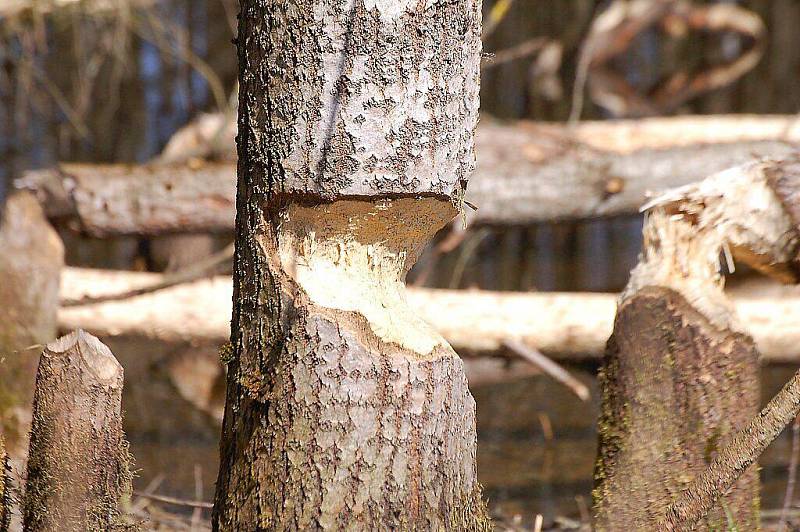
[561,325]
[527,172]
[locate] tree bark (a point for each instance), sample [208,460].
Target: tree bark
[527,172]
[78,465]
[679,349]
[5,488]
[30,264]
[344,409]
[574,326]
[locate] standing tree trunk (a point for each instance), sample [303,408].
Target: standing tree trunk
[5,488]
[78,465]
[344,409]
[680,376]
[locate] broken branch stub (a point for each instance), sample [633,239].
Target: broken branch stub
[79,463]
[680,374]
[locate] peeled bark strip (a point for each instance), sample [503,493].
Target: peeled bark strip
[79,464]
[680,375]
[527,172]
[344,409]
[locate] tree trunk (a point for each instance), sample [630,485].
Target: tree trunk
[680,375]
[30,264]
[344,409]
[5,488]
[78,465]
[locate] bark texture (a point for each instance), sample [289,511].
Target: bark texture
[30,264]
[679,378]
[79,464]
[344,409]
[734,459]
[5,488]
[527,172]
[668,407]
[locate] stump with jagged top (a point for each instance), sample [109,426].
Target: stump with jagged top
[79,463]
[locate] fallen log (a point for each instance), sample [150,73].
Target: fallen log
[79,463]
[564,326]
[527,172]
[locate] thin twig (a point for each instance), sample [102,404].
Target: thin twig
[185,275]
[549,367]
[790,482]
[523,49]
[173,500]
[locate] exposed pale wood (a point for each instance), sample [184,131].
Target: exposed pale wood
[561,325]
[527,172]
[79,464]
[550,368]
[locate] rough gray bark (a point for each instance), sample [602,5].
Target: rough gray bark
[734,459]
[345,410]
[527,172]
[669,425]
[79,464]
[575,326]
[30,264]
[5,488]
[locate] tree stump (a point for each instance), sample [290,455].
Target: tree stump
[680,375]
[30,266]
[79,463]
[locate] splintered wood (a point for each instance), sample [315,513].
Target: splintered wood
[680,378]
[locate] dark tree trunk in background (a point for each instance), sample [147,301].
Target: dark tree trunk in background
[344,409]
[79,464]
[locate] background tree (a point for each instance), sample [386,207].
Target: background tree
[355,144]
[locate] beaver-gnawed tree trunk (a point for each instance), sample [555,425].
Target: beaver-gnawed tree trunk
[79,464]
[680,375]
[344,409]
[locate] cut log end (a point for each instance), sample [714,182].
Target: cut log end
[94,357]
[79,463]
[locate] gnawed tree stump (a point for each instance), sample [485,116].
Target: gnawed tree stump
[31,259]
[680,374]
[344,409]
[79,463]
